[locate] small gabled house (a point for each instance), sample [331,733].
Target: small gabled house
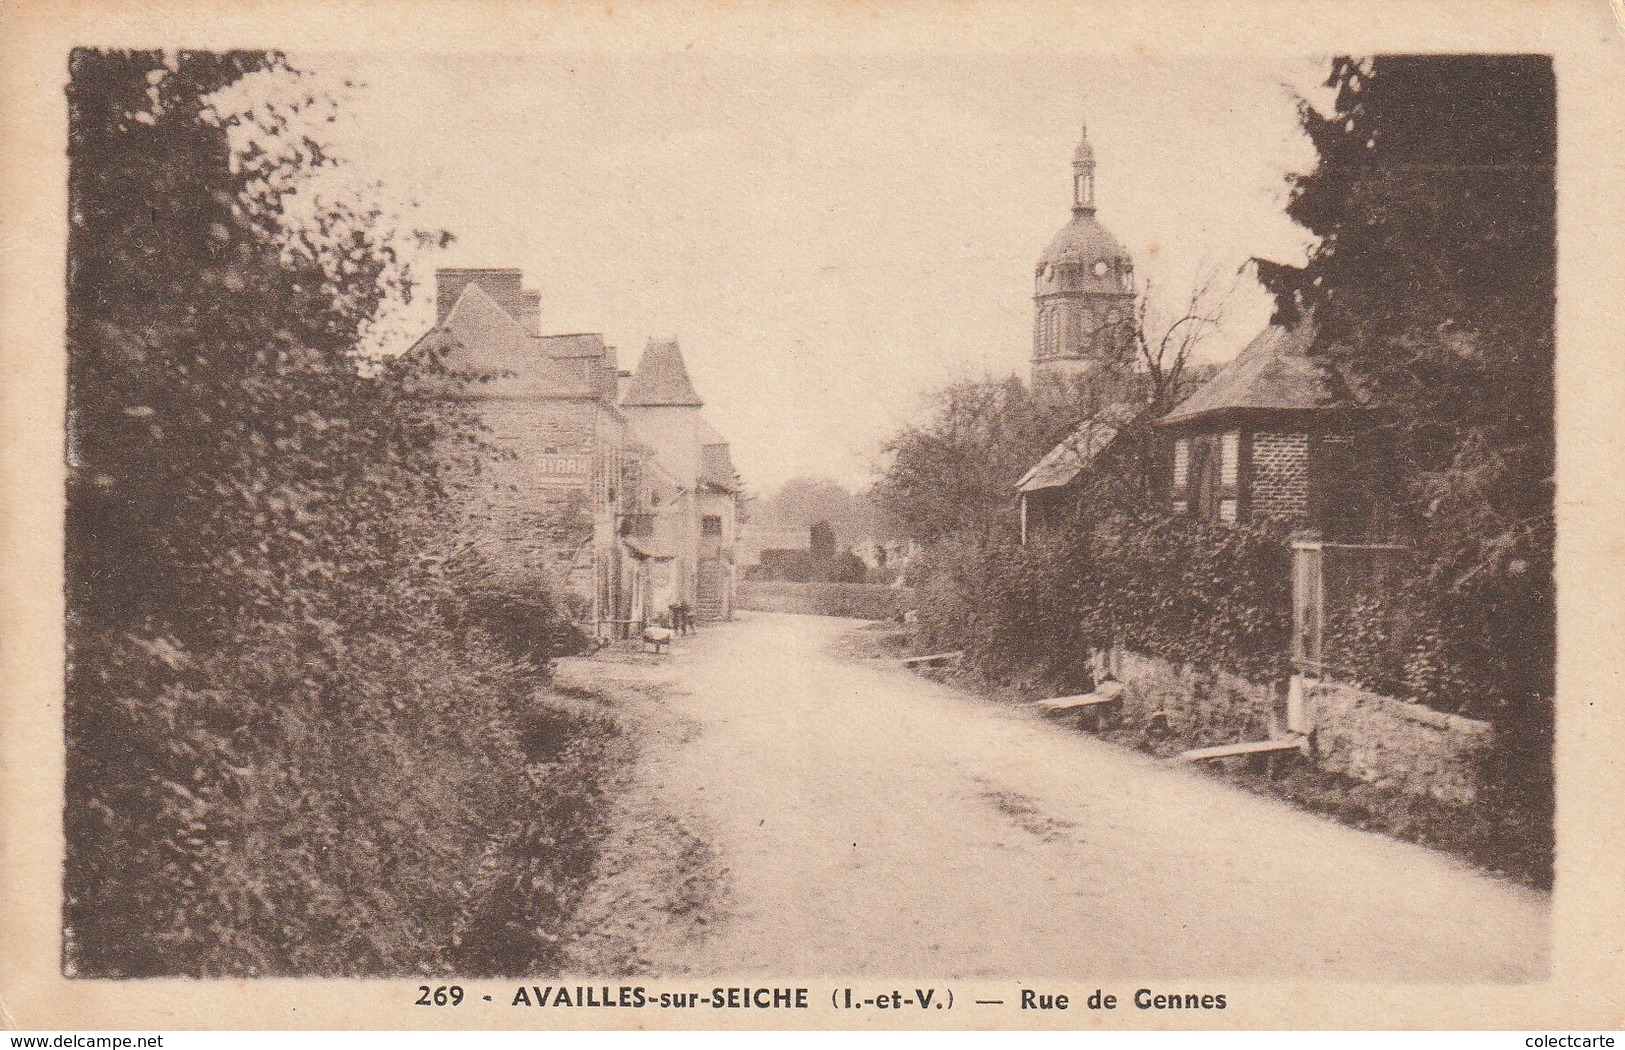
[720,489]
[1268,436]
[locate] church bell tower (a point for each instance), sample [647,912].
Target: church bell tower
[1083,299]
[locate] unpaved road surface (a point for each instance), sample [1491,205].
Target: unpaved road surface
[800,814]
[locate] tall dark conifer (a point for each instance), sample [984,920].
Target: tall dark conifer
[1434,290]
[1434,287]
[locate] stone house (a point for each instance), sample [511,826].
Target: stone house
[627,504]
[697,529]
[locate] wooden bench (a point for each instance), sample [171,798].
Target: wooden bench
[1105,693]
[1295,742]
[934,658]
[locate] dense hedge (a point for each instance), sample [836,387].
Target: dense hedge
[1208,595]
[1169,586]
[298,803]
[294,745]
[863,601]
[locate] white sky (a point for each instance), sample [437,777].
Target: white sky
[830,238]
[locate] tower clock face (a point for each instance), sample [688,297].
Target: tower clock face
[1100,269]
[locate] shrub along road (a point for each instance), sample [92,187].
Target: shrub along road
[828,816]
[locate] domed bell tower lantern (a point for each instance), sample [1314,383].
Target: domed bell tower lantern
[1083,302]
[1083,175]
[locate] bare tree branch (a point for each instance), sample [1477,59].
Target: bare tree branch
[1164,346]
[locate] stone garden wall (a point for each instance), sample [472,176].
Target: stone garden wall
[1364,736]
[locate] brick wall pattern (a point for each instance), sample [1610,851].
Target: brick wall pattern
[1280,477]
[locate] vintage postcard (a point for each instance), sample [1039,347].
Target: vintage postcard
[936,515]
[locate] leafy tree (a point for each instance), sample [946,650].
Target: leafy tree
[227,453]
[293,746]
[1433,290]
[955,473]
[804,500]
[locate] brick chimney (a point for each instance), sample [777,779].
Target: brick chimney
[530,311]
[502,284]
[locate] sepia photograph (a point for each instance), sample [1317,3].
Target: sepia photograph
[696,530]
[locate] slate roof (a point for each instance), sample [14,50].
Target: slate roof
[577,344]
[490,338]
[661,379]
[717,467]
[485,340]
[710,435]
[716,459]
[1063,463]
[1274,373]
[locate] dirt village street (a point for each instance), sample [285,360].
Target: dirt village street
[806,814]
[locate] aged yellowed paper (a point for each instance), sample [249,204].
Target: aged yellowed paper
[590,516]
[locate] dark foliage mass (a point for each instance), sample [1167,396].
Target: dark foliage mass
[955,473]
[806,500]
[1169,586]
[294,745]
[1433,289]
